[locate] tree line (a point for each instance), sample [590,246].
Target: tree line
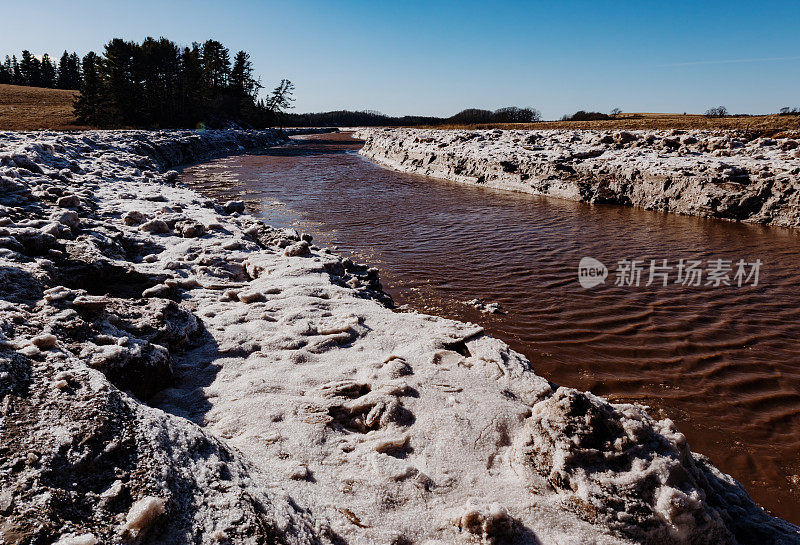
[157,83]
[510,114]
[363,118]
[45,72]
[371,118]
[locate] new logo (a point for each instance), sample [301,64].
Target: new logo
[591,272]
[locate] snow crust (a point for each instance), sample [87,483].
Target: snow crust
[732,175]
[172,370]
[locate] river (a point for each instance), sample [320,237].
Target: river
[719,360]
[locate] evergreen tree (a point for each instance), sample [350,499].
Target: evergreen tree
[63,70]
[244,88]
[156,84]
[120,75]
[241,80]
[216,65]
[90,105]
[48,73]
[192,92]
[16,73]
[69,76]
[160,70]
[75,79]
[5,71]
[30,69]
[36,73]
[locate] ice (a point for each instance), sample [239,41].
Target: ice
[732,175]
[236,383]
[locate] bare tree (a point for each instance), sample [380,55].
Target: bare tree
[513,114]
[281,98]
[718,111]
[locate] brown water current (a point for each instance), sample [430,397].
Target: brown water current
[722,361]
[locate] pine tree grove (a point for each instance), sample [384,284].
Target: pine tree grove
[155,84]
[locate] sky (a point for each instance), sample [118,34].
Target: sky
[439,57]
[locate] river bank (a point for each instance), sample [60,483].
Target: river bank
[727,175]
[716,360]
[284,399]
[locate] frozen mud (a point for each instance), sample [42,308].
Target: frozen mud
[172,370]
[732,175]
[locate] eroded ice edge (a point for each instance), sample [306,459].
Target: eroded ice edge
[285,402]
[732,175]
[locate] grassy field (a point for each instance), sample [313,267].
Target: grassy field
[34,108]
[773,125]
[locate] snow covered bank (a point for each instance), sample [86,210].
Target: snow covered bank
[284,401]
[723,175]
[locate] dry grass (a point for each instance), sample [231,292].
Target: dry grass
[772,125]
[35,108]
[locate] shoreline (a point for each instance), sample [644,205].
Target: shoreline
[284,398]
[699,173]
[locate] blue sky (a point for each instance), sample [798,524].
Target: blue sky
[440,57]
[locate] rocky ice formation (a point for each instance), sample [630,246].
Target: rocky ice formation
[486,308]
[173,370]
[731,175]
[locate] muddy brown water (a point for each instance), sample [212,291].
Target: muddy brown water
[722,362]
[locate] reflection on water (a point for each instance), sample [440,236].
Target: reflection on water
[720,361]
